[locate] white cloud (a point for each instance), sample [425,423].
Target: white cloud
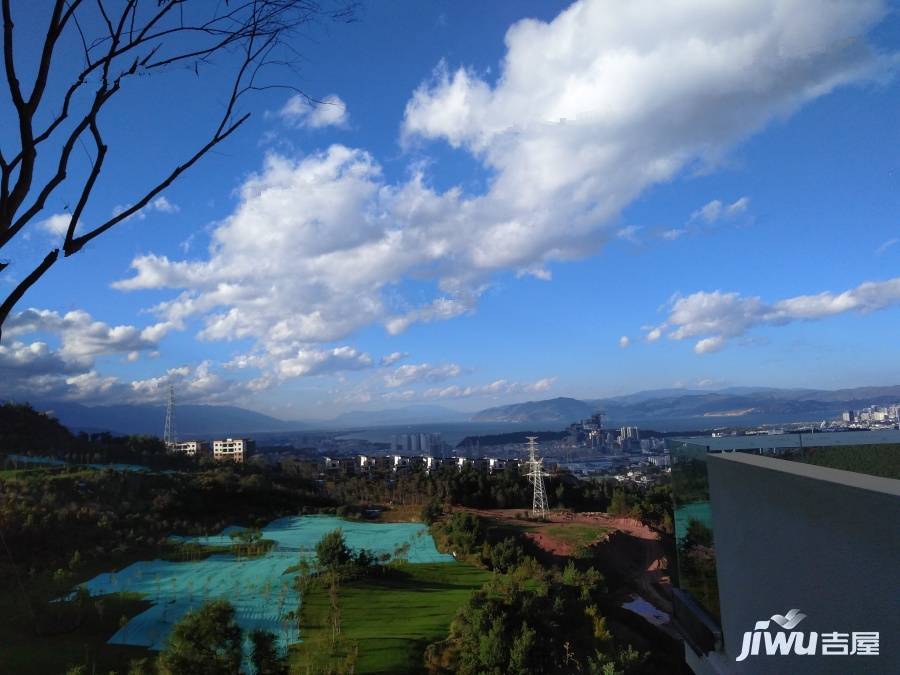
[159,205]
[715,317]
[624,341]
[405,395]
[423,372]
[654,334]
[38,370]
[439,309]
[323,361]
[710,215]
[886,245]
[587,112]
[392,358]
[163,205]
[715,211]
[493,389]
[20,360]
[301,112]
[540,385]
[82,338]
[57,224]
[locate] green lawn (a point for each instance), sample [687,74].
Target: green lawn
[576,534]
[390,619]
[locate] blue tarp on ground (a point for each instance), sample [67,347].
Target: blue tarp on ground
[52,461]
[261,593]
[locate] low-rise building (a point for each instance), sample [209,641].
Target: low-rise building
[368,463]
[189,448]
[232,449]
[497,464]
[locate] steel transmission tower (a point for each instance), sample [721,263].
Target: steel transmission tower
[536,478]
[169,435]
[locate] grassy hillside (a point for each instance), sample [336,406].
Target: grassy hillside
[390,619]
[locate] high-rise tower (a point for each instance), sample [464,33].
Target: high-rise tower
[536,478]
[169,434]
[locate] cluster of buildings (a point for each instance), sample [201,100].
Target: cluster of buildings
[591,433]
[370,464]
[424,444]
[874,416]
[222,450]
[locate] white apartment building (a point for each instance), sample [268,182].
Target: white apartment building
[189,448]
[231,449]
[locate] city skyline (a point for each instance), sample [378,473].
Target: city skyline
[532,201]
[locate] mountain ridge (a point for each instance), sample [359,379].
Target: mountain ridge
[706,408]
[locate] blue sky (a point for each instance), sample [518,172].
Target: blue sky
[677,229]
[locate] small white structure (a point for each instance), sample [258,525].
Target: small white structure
[399,462]
[496,464]
[189,448]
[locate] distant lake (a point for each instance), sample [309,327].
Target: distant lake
[451,432]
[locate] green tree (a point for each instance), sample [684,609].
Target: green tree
[332,550]
[265,657]
[465,532]
[506,555]
[698,534]
[204,642]
[618,505]
[521,654]
[431,512]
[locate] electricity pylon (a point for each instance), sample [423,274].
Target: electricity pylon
[169,435]
[536,478]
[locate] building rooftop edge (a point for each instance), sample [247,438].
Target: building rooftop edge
[860,481]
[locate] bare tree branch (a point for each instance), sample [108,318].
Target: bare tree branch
[76,244]
[134,39]
[25,284]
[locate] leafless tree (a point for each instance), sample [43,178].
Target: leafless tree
[122,42]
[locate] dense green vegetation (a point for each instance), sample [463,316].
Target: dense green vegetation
[509,438]
[24,430]
[63,525]
[467,487]
[206,642]
[76,630]
[516,624]
[875,460]
[697,565]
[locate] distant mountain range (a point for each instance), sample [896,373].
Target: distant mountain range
[413,414]
[661,409]
[190,420]
[735,406]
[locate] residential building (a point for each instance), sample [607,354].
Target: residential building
[369,463]
[189,448]
[232,449]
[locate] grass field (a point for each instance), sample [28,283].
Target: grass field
[391,619]
[576,534]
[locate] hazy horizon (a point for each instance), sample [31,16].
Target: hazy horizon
[528,200]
